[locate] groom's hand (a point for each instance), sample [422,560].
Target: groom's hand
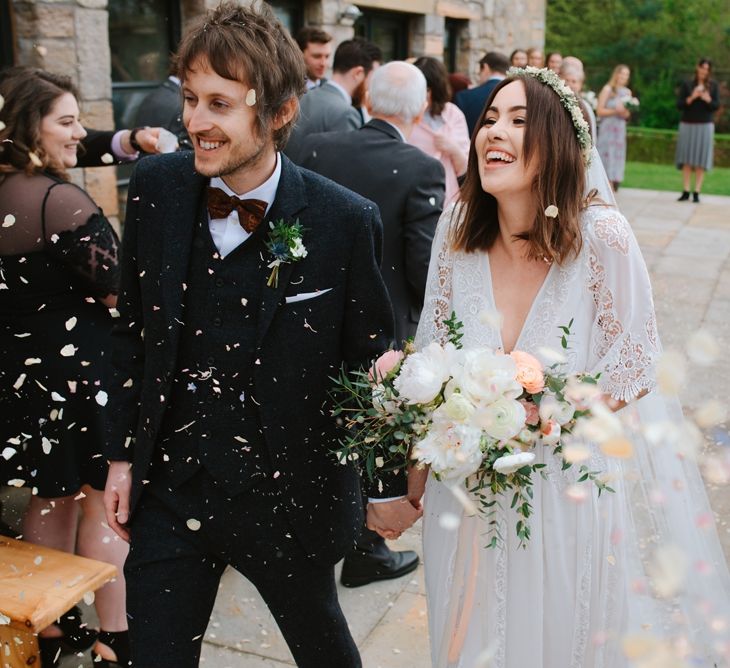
[116,497]
[391,518]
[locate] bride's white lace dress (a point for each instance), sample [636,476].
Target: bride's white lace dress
[580,586]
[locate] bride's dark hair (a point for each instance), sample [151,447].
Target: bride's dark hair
[29,95]
[550,138]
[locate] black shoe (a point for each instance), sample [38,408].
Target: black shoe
[684,197]
[361,568]
[118,642]
[76,637]
[696,198]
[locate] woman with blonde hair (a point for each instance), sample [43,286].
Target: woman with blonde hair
[59,272]
[612,119]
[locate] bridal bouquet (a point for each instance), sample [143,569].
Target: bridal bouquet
[474,416]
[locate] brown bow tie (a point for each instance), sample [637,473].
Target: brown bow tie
[250,211]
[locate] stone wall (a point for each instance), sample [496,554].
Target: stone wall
[71,38]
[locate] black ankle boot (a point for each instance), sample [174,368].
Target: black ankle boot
[118,642]
[696,198]
[684,196]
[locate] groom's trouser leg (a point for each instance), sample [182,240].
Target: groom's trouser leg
[173,574]
[310,618]
[171,589]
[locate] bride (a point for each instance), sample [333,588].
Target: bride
[634,577]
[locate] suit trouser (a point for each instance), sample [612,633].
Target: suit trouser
[174,568]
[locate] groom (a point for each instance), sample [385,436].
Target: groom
[221,440]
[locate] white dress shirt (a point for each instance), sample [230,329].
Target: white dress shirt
[227,232]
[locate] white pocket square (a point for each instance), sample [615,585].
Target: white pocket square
[306,295]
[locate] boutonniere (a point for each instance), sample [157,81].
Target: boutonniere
[285,244]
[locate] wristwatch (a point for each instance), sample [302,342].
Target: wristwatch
[133,139]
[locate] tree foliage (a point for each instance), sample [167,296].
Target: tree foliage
[660,40]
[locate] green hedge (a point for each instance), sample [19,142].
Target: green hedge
[657,146]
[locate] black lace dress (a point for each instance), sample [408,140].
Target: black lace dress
[58,253]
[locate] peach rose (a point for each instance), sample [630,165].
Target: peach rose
[529,371]
[384,365]
[532,415]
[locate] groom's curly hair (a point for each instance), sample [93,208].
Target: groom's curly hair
[249,45]
[550,138]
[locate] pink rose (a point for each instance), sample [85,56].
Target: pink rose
[529,372]
[531,412]
[384,365]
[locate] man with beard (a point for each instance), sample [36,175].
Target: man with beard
[247,282]
[328,108]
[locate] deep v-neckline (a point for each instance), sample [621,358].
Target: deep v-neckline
[530,311]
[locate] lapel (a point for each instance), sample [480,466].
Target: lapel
[186,208]
[290,200]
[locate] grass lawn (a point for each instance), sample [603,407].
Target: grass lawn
[668,177]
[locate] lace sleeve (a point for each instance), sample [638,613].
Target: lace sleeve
[77,233]
[624,341]
[437,299]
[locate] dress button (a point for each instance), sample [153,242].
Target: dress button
[210,361]
[217,321]
[219,282]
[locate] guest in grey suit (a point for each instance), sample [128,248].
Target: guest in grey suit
[328,108]
[408,187]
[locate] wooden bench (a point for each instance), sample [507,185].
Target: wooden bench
[37,585]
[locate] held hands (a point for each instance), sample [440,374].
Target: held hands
[116,497]
[391,518]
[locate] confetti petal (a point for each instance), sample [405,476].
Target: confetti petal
[671,372]
[69,350]
[667,571]
[9,220]
[703,348]
[71,323]
[32,360]
[193,525]
[101,398]
[107,159]
[552,211]
[621,448]
[711,414]
[251,97]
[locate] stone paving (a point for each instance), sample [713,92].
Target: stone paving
[687,250]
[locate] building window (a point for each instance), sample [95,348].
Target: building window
[290,13]
[456,48]
[142,35]
[7,38]
[389,30]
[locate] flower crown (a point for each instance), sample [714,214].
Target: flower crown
[567,98]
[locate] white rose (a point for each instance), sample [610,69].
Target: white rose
[457,408]
[511,463]
[551,436]
[502,419]
[383,401]
[298,249]
[452,450]
[528,436]
[423,374]
[564,413]
[483,376]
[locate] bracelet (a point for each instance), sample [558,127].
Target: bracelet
[133,139]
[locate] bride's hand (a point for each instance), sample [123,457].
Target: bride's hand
[391,518]
[417,478]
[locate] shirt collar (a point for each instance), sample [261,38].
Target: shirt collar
[395,127]
[265,192]
[344,93]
